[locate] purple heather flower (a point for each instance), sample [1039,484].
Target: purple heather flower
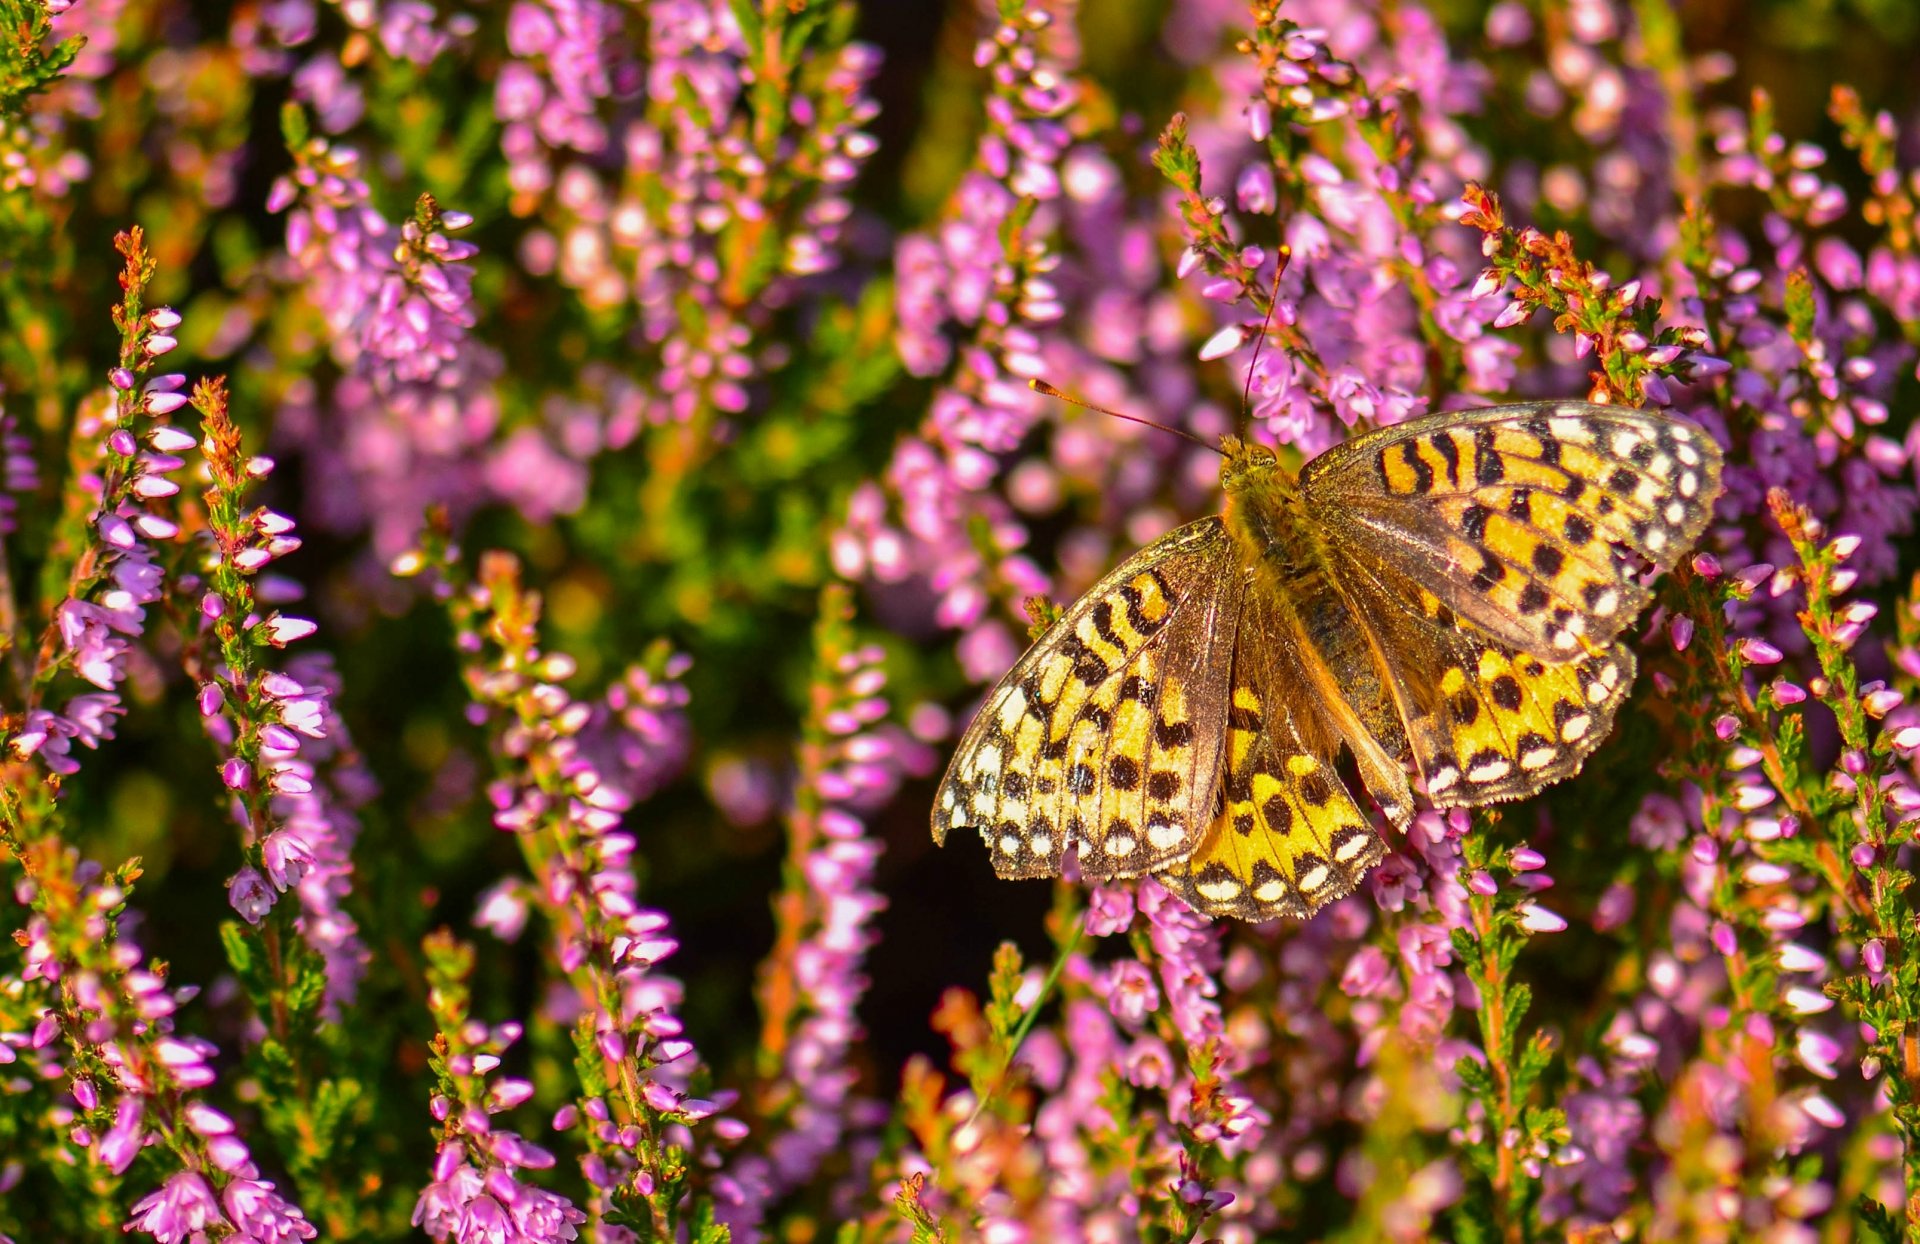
[19,470]
[415,410]
[249,894]
[260,1213]
[182,1207]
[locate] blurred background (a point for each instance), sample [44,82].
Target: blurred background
[724,560]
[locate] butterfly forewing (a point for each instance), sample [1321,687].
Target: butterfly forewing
[1289,836]
[1107,734]
[1536,522]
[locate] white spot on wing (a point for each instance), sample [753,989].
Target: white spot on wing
[1490,770]
[1163,835]
[1356,844]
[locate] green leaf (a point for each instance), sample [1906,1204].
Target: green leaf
[294,127]
[1474,1076]
[1879,1220]
[705,1229]
[1800,307]
[747,14]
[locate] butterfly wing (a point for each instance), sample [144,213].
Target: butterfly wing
[1534,521]
[1289,837]
[1107,733]
[1485,722]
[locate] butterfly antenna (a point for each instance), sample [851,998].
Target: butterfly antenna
[1273,300]
[1041,386]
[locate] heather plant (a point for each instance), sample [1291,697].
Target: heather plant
[506,509]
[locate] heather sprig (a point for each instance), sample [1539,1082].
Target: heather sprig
[987,275]
[479,1190]
[135,1081]
[811,982]
[636,1108]
[1637,356]
[1358,154]
[293,781]
[1867,810]
[30,61]
[103,564]
[1517,1127]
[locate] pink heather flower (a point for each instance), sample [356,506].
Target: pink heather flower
[250,895]
[1659,825]
[1368,974]
[1537,919]
[287,858]
[282,630]
[183,1206]
[121,1145]
[1131,992]
[260,1213]
[1109,910]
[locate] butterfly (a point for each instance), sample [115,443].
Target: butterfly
[1440,601]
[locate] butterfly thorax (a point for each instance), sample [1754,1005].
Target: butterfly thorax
[1267,521]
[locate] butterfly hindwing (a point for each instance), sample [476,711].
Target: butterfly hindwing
[1289,837]
[1487,722]
[1534,521]
[1106,735]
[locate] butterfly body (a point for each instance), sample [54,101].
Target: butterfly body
[1436,601]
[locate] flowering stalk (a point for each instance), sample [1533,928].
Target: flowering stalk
[411,420]
[564,808]
[810,984]
[277,729]
[104,554]
[1867,810]
[1235,268]
[135,1082]
[1350,160]
[1636,356]
[1501,1077]
[477,1191]
[987,275]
